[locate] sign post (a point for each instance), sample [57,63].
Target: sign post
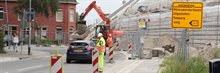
[186,15]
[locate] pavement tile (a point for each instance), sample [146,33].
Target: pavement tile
[134,66]
[12,55]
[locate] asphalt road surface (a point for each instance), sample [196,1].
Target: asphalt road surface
[41,64]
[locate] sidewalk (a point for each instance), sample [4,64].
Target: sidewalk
[11,55]
[134,66]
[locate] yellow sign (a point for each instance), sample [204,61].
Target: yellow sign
[141,23]
[187,15]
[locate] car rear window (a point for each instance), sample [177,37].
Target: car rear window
[78,44]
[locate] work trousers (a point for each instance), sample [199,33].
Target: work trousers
[101,61]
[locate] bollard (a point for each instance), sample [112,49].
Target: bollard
[56,63]
[95,60]
[117,46]
[129,47]
[110,60]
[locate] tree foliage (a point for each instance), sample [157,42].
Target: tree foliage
[42,7]
[1,42]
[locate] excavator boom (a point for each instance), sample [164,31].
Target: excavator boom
[101,28]
[98,10]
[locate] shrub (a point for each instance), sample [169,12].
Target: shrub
[172,65]
[2,43]
[46,42]
[216,53]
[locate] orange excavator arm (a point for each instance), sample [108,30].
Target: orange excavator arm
[106,31]
[98,10]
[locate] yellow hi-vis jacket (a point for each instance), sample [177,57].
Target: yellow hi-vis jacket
[100,46]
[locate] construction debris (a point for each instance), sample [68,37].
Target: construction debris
[80,37]
[164,45]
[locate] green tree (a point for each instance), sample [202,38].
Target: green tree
[1,42]
[42,7]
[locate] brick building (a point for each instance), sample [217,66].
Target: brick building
[57,27]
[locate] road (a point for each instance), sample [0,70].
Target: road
[41,64]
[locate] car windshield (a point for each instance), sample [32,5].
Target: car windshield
[78,44]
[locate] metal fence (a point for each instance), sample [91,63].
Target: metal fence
[52,37]
[160,24]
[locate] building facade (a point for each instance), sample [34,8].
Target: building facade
[57,27]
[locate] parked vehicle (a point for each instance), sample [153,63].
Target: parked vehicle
[80,50]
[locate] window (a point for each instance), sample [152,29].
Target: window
[59,33]
[92,44]
[43,32]
[78,44]
[19,17]
[71,33]
[26,17]
[71,15]
[59,15]
[14,29]
[36,32]
[1,13]
[71,30]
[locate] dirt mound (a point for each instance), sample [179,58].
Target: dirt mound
[81,29]
[165,40]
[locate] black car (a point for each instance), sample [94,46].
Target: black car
[80,51]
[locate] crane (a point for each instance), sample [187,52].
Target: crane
[100,28]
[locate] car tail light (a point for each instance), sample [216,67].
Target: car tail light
[89,47]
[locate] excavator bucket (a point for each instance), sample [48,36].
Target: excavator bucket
[82,22]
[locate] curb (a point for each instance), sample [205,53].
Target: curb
[37,54]
[8,59]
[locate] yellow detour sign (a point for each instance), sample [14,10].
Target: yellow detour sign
[187,15]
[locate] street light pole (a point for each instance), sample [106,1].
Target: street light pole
[7,24]
[29,45]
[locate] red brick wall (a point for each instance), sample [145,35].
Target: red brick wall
[49,22]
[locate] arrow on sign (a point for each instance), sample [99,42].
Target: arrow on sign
[194,23]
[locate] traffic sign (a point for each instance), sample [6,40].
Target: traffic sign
[141,23]
[187,15]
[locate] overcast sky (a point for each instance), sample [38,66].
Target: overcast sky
[107,6]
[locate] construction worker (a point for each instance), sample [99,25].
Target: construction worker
[100,46]
[109,41]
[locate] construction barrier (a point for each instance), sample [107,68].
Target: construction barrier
[56,63]
[111,55]
[117,46]
[95,60]
[129,47]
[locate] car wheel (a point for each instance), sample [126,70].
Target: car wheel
[68,61]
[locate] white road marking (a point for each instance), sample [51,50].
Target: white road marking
[6,72]
[30,68]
